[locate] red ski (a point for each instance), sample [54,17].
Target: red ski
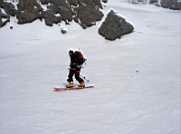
[58,89]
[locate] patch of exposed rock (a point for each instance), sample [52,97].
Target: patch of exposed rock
[114,27]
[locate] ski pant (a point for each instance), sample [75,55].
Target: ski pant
[75,72]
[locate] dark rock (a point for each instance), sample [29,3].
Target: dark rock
[84,12]
[63,31]
[88,13]
[29,5]
[28,11]
[114,27]
[20,5]
[9,8]
[172,4]
[90,3]
[104,1]
[4,19]
[60,2]
[73,2]
[98,3]
[45,1]
[153,1]
[28,17]
[53,8]
[11,27]
[66,13]
[1,2]
[63,8]
[3,23]
[2,15]
[50,18]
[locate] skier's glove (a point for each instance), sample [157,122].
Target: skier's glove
[79,66]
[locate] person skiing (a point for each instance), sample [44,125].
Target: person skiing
[76,61]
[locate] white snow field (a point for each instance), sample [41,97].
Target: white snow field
[137,77]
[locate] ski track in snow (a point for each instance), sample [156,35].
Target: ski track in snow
[137,77]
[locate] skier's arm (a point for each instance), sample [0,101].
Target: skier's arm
[81,63]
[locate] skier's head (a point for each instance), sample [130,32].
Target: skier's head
[71,52]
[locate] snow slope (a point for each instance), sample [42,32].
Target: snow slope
[137,77]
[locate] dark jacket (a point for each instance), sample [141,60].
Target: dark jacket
[76,60]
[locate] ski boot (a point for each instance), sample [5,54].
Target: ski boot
[70,85]
[82,84]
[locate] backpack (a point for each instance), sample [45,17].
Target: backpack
[80,57]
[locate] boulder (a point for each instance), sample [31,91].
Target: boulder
[88,13]
[63,8]
[3,15]
[9,8]
[63,31]
[28,11]
[28,17]
[50,18]
[84,12]
[4,19]
[73,2]
[114,27]
[3,23]
[104,1]
[172,4]
[66,13]
[1,2]
[44,2]
[29,5]
[91,3]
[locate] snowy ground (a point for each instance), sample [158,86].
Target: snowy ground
[137,77]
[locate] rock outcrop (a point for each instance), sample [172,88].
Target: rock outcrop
[88,12]
[84,12]
[114,27]
[29,10]
[9,8]
[4,19]
[172,4]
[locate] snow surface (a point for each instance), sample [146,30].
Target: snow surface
[137,77]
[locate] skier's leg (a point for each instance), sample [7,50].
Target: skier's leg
[70,75]
[70,78]
[79,79]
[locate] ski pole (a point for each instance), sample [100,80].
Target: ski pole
[85,79]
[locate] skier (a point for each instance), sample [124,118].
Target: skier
[76,61]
